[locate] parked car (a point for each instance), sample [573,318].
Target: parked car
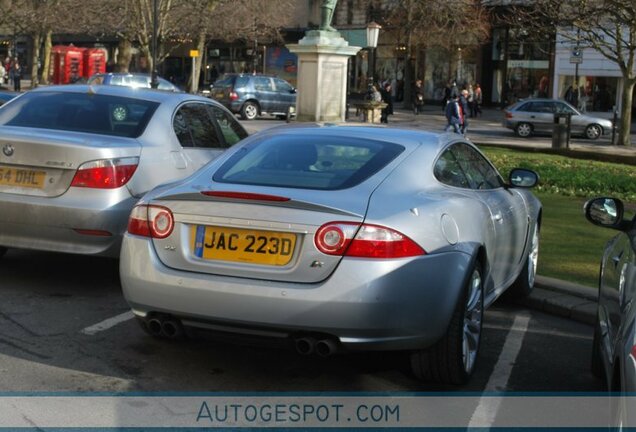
[536,116]
[337,238]
[614,344]
[254,95]
[6,96]
[136,80]
[75,159]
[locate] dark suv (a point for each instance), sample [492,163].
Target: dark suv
[253,95]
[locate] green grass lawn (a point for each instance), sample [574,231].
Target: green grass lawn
[571,247]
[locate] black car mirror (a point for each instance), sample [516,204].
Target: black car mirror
[523,178]
[605,212]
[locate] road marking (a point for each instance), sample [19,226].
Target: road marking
[486,411]
[557,333]
[108,323]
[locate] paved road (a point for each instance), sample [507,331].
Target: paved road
[64,326]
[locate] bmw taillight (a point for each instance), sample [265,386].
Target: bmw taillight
[364,241]
[105,173]
[151,221]
[233,96]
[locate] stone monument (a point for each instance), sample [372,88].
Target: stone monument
[322,70]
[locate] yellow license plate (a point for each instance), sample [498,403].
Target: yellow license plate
[220,95]
[21,177]
[242,245]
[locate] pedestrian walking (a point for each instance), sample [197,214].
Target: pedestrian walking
[464,107]
[16,75]
[388,100]
[454,117]
[478,99]
[418,97]
[471,100]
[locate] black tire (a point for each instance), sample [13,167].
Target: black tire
[3,250]
[446,361]
[596,363]
[249,111]
[524,284]
[523,130]
[593,132]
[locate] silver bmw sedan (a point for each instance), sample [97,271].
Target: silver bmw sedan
[75,159]
[337,238]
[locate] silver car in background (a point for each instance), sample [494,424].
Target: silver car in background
[335,238]
[75,159]
[536,116]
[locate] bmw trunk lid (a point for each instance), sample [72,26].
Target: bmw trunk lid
[40,162]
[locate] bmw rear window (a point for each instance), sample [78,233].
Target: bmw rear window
[80,112]
[323,163]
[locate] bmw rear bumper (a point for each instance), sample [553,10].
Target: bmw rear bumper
[52,223]
[390,305]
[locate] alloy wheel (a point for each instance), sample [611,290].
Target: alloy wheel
[473,315]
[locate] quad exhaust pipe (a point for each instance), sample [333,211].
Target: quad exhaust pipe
[308,345]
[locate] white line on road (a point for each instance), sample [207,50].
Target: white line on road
[486,411]
[546,332]
[108,323]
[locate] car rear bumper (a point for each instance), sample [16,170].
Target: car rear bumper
[52,224]
[390,305]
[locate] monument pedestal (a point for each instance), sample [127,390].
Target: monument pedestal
[322,76]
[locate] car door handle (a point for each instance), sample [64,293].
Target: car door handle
[497,217]
[617,259]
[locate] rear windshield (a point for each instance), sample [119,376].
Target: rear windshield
[324,163]
[237,81]
[80,112]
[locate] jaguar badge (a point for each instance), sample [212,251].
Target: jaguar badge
[8,150]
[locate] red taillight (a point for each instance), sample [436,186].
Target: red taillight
[233,96]
[105,174]
[151,221]
[508,114]
[244,196]
[364,241]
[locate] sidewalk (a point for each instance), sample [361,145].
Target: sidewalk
[550,295]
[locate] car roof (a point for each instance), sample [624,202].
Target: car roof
[147,94]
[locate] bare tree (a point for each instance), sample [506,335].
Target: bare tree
[445,24]
[607,26]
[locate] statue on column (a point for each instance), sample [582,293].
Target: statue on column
[326,15]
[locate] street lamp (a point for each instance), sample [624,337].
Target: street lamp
[373,31]
[154,82]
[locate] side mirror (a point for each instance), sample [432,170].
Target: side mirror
[523,178]
[293,90]
[605,211]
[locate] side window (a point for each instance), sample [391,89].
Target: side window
[563,108]
[116,80]
[283,86]
[194,127]
[165,85]
[140,81]
[263,84]
[231,129]
[480,174]
[448,171]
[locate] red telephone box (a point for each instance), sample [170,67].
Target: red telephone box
[94,62]
[67,64]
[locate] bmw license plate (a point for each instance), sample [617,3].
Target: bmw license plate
[10,176]
[242,245]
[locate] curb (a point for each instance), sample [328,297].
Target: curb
[565,299]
